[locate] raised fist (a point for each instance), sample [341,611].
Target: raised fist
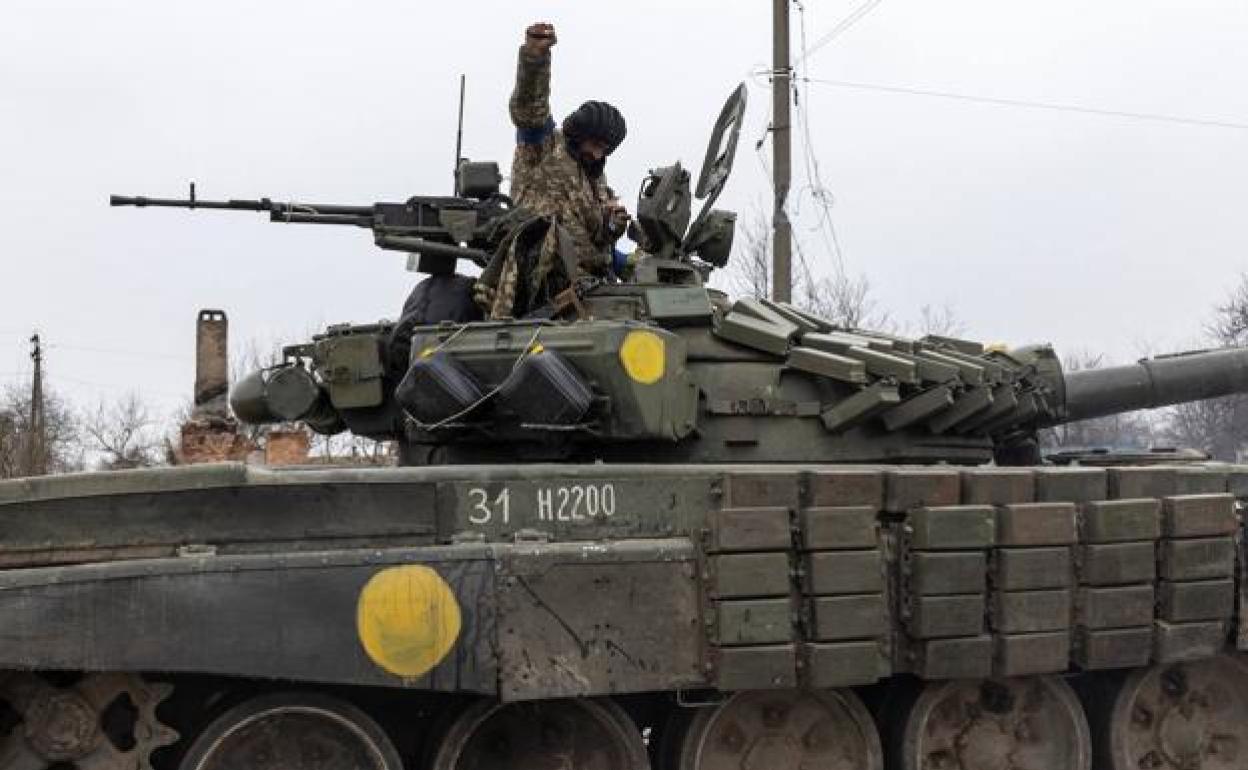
[539,37]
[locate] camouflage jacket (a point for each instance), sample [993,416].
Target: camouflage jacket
[546,179]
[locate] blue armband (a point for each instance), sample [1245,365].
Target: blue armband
[619,262]
[535,135]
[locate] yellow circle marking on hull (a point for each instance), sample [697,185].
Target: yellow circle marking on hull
[408,619]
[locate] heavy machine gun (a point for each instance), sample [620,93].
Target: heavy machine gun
[437,230]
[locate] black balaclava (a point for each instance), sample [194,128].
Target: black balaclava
[594,120]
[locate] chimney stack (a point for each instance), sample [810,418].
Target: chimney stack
[211,434]
[212,363]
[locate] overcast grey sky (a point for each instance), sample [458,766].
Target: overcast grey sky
[1092,232]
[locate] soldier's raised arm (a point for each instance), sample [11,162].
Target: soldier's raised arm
[530,100]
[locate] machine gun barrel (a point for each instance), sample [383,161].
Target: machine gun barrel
[263,204]
[279,211]
[1154,382]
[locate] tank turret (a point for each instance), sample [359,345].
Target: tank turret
[659,367]
[685,376]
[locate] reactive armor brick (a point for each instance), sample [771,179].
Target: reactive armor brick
[1195,600]
[836,618]
[843,572]
[1112,564]
[839,528]
[1187,641]
[805,323]
[1029,612]
[860,407]
[961,658]
[883,364]
[914,488]
[1037,524]
[1200,481]
[1116,521]
[751,529]
[845,664]
[1113,647]
[846,488]
[828,365]
[1133,483]
[1117,607]
[998,486]
[1018,569]
[753,621]
[1071,485]
[972,403]
[772,667]
[933,617]
[761,311]
[1237,481]
[1201,559]
[917,408]
[955,527]
[755,333]
[750,574]
[761,490]
[1025,654]
[948,572]
[1198,516]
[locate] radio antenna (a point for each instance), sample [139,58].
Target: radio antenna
[459,136]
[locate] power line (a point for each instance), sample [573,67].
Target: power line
[116,387]
[797,242]
[1003,102]
[118,352]
[841,27]
[814,180]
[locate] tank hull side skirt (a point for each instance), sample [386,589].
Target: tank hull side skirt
[504,620]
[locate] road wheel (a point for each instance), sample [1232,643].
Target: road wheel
[309,731]
[1031,723]
[566,734]
[782,730]
[1186,716]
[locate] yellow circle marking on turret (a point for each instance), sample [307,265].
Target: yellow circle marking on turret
[408,619]
[643,356]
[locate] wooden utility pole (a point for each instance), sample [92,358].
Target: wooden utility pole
[781,143]
[35,458]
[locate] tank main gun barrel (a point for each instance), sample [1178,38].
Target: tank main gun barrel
[1161,381]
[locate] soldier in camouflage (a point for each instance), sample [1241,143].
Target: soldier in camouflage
[557,175]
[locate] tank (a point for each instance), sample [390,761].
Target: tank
[638,525]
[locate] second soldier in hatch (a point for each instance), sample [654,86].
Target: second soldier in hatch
[557,173]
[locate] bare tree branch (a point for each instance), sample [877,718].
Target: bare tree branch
[60,439]
[125,434]
[941,321]
[845,301]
